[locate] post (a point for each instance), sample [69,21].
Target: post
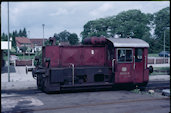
[32,62]
[30,45]
[164,48]
[8,46]
[43,33]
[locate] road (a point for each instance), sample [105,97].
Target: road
[85,102]
[21,95]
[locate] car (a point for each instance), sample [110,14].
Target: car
[166,53]
[13,58]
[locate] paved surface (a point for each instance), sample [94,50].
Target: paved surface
[21,95]
[159,65]
[85,102]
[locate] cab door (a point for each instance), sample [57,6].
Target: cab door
[139,65]
[124,65]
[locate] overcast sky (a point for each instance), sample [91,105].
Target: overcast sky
[70,16]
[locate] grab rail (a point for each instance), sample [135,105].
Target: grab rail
[134,62]
[72,73]
[113,65]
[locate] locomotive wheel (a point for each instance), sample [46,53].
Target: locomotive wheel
[143,86]
[131,87]
[39,82]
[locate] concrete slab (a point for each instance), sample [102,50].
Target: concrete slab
[159,78]
[166,92]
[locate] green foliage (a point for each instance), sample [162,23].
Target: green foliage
[135,24]
[161,71]
[15,33]
[23,48]
[4,37]
[131,23]
[153,55]
[73,39]
[66,36]
[162,21]
[95,28]
[13,50]
[38,55]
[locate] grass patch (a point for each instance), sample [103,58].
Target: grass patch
[161,71]
[153,55]
[26,57]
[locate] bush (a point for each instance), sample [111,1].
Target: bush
[38,55]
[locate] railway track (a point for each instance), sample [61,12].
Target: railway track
[89,105]
[158,85]
[151,85]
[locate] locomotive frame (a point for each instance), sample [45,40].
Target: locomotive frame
[99,62]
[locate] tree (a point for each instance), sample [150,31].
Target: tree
[14,34]
[95,28]
[23,49]
[20,33]
[131,23]
[73,39]
[24,33]
[66,36]
[162,21]
[4,37]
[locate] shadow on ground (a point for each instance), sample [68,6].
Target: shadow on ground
[21,107]
[5,69]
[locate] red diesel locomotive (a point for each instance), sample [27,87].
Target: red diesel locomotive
[98,62]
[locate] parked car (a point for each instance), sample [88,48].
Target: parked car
[166,53]
[13,58]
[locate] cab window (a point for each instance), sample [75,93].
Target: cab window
[138,54]
[124,55]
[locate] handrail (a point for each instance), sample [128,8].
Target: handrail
[134,62]
[113,65]
[145,63]
[72,73]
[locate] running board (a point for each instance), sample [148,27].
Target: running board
[87,86]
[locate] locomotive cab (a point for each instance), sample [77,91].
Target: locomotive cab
[130,60]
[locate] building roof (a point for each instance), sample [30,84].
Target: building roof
[37,41]
[128,42]
[22,40]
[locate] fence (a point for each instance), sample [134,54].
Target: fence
[24,62]
[157,60]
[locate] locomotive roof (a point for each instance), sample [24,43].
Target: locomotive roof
[128,42]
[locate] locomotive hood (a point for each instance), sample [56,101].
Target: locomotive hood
[116,42]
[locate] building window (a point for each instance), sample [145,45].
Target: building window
[124,55]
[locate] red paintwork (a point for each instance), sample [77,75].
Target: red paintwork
[139,70]
[124,76]
[70,55]
[96,59]
[78,55]
[62,56]
[131,75]
[146,71]
[51,52]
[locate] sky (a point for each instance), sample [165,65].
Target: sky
[70,16]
